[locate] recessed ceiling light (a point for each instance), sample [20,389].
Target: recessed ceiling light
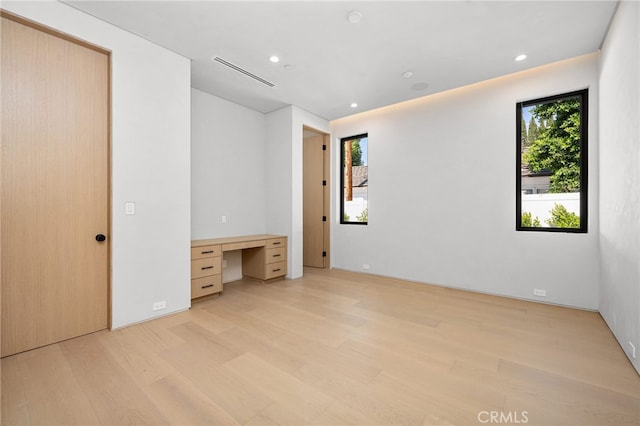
[274,59]
[407,74]
[354,16]
[354,105]
[520,57]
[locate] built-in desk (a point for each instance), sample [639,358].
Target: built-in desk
[264,257]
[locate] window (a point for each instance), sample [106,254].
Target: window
[354,182]
[551,169]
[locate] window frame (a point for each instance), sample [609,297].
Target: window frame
[584,145]
[342,142]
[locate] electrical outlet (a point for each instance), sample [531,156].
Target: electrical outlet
[365,266]
[224,263]
[158,306]
[633,350]
[223,219]
[540,292]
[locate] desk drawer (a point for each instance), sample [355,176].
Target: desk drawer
[276,255]
[243,245]
[205,251]
[273,270]
[206,285]
[276,242]
[205,267]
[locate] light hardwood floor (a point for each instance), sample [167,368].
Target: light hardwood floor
[333,348]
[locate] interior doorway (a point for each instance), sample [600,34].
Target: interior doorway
[54,186]
[316,201]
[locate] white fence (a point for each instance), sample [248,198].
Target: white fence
[354,208]
[540,205]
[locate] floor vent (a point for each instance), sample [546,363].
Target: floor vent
[243,71]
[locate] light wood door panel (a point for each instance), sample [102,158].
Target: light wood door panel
[313,204]
[54,184]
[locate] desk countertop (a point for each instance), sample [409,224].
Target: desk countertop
[233,240]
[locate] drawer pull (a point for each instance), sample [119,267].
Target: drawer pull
[207,286]
[207,252]
[206,267]
[276,270]
[276,255]
[276,243]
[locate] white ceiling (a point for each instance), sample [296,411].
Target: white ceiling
[333,63]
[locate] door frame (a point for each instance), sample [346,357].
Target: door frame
[72,39]
[326,193]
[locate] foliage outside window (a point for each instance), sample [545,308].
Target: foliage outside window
[551,169]
[354,183]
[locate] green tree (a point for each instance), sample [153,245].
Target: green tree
[528,222]
[562,218]
[533,131]
[356,153]
[364,216]
[557,148]
[523,133]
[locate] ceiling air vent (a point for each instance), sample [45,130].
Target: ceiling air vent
[243,71]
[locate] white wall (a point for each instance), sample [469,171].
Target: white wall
[228,173]
[227,168]
[620,178]
[279,175]
[300,119]
[284,177]
[456,151]
[149,163]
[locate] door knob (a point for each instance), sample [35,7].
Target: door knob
[100,238]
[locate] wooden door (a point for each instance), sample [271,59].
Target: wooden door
[313,202]
[54,187]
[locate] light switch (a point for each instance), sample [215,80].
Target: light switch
[129,208]
[224,219]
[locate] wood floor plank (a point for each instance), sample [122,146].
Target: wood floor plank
[340,413]
[113,394]
[182,403]
[14,403]
[584,400]
[229,391]
[245,321]
[445,406]
[135,356]
[288,391]
[423,341]
[209,320]
[381,407]
[41,382]
[157,334]
[202,344]
[329,297]
[333,348]
[320,307]
[276,414]
[303,323]
[346,362]
[241,341]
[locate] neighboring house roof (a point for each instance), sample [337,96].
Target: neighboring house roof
[525,172]
[360,176]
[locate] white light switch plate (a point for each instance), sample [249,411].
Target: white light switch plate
[129,208]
